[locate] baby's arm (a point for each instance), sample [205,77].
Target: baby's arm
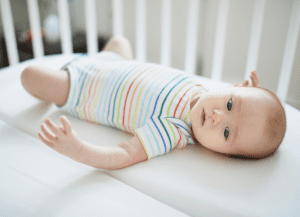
[66,142]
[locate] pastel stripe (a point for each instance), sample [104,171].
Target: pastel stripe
[75,88]
[87,105]
[162,108]
[139,95]
[180,102]
[115,99]
[124,108]
[169,107]
[91,112]
[153,93]
[121,98]
[133,94]
[85,94]
[102,76]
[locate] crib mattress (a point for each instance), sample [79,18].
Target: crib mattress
[36,182]
[193,181]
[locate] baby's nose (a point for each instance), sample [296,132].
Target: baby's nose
[217,116]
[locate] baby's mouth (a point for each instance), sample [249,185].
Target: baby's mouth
[203,117]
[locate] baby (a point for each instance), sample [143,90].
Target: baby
[162,107]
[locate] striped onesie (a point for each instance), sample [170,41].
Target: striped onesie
[146,99]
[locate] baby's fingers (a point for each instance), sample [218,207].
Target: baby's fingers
[254,79]
[44,140]
[52,126]
[48,135]
[245,83]
[66,123]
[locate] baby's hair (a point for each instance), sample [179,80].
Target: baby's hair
[275,130]
[276,123]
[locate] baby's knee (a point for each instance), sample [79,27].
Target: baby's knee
[120,40]
[31,79]
[119,43]
[27,76]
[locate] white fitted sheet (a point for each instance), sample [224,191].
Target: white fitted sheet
[36,182]
[194,180]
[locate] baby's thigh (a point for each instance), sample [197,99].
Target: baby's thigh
[46,84]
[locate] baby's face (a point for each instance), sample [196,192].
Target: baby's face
[231,119]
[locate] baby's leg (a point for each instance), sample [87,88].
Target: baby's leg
[46,84]
[119,45]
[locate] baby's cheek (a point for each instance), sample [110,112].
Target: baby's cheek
[212,141]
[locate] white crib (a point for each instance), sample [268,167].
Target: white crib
[36,181]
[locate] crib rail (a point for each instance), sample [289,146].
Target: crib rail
[191,42]
[9,32]
[166,34]
[220,40]
[141,46]
[65,27]
[118,17]
[289,52]
[34,21]
[91,26]
[258,15]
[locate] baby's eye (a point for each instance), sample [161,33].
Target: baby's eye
[226,132]
[229,105]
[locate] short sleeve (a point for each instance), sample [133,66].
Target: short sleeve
[162,134]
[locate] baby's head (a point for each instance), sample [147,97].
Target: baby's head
[246,122]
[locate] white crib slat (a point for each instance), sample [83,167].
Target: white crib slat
[255,36]
[166,31]
[9,32]
[141,46]
[91,26]
[65,28]
[289,52]
[191,37]
[220,37]
[118,18]
[35,26]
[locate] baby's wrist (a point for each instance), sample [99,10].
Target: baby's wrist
[76,149]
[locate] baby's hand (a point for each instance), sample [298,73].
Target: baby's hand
[63,140]
[254,79]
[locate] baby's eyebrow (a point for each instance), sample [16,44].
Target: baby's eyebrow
[239,101]
[236,131]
